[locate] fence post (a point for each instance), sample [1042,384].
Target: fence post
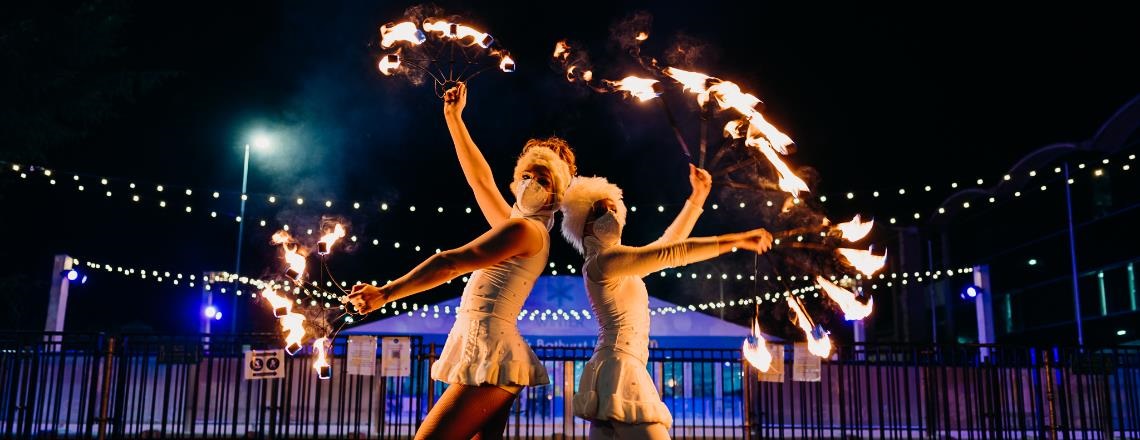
[1049,394]
[105,399]
[567,399]
[746,397]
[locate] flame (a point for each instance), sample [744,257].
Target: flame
[788,181]
[507,64]
[561,50]
[779,140]
[329,239]
[389,62]
[691,81]
[293,257]
[458,32]
[846,299]
[392,33]
[642,36]
[820,346]
[732,128]
[588,75]
[276,301]
[757,353]
[855,229]
[294,326]
[863,260]
[321,364]
[640,88]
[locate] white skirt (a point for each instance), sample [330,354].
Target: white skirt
[616,386]
[487,350]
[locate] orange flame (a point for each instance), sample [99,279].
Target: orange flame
[389,62]
[507,64]
[294,326]
[328,240]
[788,181]
[642,36]
[321,364]
[561,50]
[639,88]
[757,353]
[293,257]
[458,32]
[846,299]
[392,33]
[820,347]
[278,302]
[863,260]
[855,229]
[691,81]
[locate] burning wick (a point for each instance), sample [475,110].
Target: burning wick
[863,260]
[328,240]
[757,353]
[321,364]
[818,342]
[294,326]
[507,64]
[847,300]
[293,257]
[641,88]
[642,36]
[855,229]
[281,306]
[389,63]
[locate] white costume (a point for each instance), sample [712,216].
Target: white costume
[615,383]
[484,346]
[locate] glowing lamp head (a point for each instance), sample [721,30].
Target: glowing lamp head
[261,141]
[210,312]
[72,275]
[971,292]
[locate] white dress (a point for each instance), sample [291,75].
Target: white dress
[484,346]
[615,383]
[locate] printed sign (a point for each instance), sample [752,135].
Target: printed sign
[396,357]
[362,355]
[775,372]
[265,364]
[805,366]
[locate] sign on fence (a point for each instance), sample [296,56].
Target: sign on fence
[362,355]
[805,366]
[775,372]
[265,364]
[396,357]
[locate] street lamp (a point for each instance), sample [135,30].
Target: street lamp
[261,141]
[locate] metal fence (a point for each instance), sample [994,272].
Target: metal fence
[148,386]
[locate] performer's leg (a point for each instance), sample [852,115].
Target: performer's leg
[494,428]
[640,431]
[462,411]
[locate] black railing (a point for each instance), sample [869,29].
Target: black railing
[146,386]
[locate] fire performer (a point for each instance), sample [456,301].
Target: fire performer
[615,392]
[485,359]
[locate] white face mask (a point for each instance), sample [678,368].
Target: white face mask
[607,229]
[530,197]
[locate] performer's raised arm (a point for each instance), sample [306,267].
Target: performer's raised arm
[682,226]
[619,261]
[511,238]
[475,168]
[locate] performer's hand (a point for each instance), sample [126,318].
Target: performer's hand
[701,182]
[757,240]
[367,298]
[454,100]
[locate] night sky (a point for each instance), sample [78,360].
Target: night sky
[877,97]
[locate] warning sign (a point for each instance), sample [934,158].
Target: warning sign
[805,366]
[265,364]
[396,357]
[775,371]
[362,355]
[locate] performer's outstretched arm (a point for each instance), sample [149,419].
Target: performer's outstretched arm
[475,168]
[682,226]
[512,237]
[619,261]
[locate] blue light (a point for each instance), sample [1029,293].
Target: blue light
[72,275]
[211,312]
[970,292]
[218,316]
[83,280]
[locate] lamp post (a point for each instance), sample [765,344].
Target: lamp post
[261,142]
